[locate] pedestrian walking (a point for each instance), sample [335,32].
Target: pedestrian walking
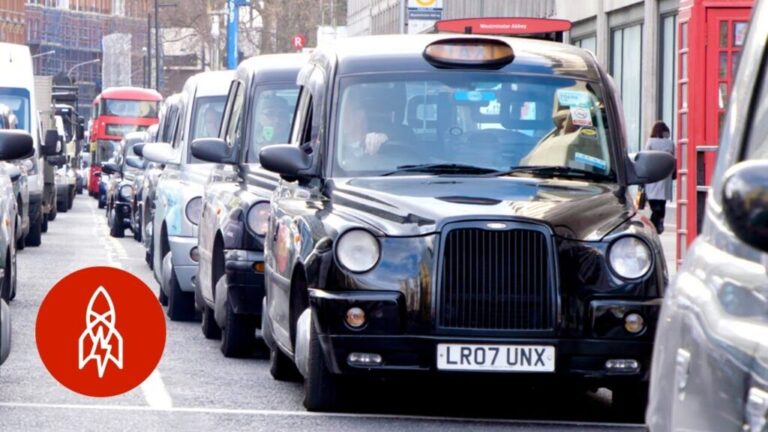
[660,192]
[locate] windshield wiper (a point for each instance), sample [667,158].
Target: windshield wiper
[442,168]
[555,171]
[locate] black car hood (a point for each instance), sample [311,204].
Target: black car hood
[417,205]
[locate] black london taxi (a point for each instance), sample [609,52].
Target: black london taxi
[120,190]
[460,205]
[710,362]
[230,282]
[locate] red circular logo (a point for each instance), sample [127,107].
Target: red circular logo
[100,331]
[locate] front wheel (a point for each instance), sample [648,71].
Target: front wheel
[116,228]
[208,325]
[20,242]
[62,206]
[238,337]
[44,227]
[181,305]
[323,391]
[34,237]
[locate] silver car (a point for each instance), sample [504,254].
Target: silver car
[178,195]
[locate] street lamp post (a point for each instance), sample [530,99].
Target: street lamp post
[44,53]
[81,64]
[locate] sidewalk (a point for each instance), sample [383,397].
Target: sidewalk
[668,237]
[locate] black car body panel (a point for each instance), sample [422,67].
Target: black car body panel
[228,248]
[463,258]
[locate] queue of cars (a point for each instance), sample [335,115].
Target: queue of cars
[28,154]
[442,205]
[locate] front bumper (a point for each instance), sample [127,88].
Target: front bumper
[245,285]
[386,334]
[183,264]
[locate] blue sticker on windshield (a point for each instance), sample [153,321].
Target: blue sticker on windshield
[591,161]
[574,98]
[474,96]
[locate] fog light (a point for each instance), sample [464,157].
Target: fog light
[355,317]
[634,323]
[364,359]
[194,254]
[258,267]
[622,365]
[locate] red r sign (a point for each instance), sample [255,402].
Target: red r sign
[299,41]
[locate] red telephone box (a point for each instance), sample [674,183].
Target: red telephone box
[711,34]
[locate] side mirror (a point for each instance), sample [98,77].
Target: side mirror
[110,168]
[79,132]
[214,150]
[5,331]
[15,144]
[745,202]
[161,153]
[649,167]
[135,162]
[138,150]
[287,160]
[51,143]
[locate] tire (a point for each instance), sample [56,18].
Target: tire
[115,228]
[102,204]
[20,243]
[323,391]
[238,337]
[181,305]
[34,237]
[44,226]
[629,401]
[52,214]
[61,206]
[71,202]
[14,276]
[281,367]
[137,235]
[7,289]
[162,298]
[208,324]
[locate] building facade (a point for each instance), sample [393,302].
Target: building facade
[12,28]
[69,35]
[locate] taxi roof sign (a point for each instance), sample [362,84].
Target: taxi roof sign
[469,52]
[539,28]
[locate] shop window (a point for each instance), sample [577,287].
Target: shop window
[587,43]
[626,68]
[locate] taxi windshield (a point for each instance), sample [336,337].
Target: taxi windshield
[17,100]
[483,121]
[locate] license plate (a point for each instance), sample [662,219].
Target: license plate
[496,358]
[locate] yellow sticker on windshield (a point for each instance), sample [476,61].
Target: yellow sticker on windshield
[588,131]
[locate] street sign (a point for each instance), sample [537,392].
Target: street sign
[299,41]
[422,14]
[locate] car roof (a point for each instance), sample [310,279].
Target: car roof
[391,53]
[209,83]
[272,67]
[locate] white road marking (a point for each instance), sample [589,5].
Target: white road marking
[287,413]
[153,388]
[155,392]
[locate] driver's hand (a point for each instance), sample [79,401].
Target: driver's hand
[373,142]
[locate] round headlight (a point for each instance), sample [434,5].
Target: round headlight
[194,210]
[358,251]
[258,218]
[630,257]
[126,192]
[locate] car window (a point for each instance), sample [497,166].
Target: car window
[234,129]
[271,117]
[483,119]
[757,143]
[206,117]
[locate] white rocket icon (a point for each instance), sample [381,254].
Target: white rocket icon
[100,339]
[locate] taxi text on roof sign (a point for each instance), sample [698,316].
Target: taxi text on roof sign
[469,52]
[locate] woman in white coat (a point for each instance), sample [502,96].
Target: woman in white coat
[660,192]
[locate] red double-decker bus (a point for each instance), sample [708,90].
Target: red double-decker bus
[116,112]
